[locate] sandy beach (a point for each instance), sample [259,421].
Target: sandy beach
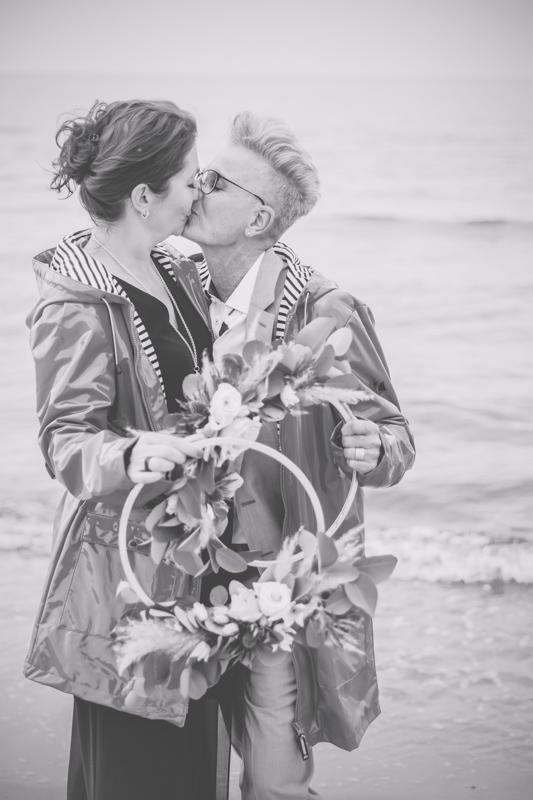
[455,666]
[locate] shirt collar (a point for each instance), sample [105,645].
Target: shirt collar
[241,296]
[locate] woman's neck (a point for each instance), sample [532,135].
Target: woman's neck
[129,243]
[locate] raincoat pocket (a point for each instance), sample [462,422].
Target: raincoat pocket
[92,606]
[336,666]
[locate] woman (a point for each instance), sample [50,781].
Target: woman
[118,326]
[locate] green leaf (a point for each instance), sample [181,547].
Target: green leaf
[313,637]
[272,413]
[155,515]
[191,543]
[157,550]
[314,334]
[218,596]
[230,560]
[190,496]
[190,562]
[324,362]
[344,570]
[363,594]
[327,552]
[197,684]
[338,603]
[156,669]
[268,657]
[205,475]
[378,568]
[302,586]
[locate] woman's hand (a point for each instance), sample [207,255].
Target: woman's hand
[362,445]
[155,454]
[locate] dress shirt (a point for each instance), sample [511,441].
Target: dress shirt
[234,313]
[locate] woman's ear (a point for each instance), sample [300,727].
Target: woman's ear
[140,199]
[261,222]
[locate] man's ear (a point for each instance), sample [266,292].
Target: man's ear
[261,222]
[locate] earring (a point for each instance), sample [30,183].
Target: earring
[145,214]
[247,233]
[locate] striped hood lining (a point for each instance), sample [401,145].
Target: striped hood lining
[71,260]
[296,279]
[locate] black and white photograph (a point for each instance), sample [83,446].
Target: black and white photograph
[266,473]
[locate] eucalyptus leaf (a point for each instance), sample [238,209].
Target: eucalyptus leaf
[190,496]
[176,668]
[205,475]
[197,684]
[191,543]
[324,362]
[253,350]
[218,596]
[230,560]
[275,383]
[314,334]
[340,340]
[192,385]
[155,515]
[348,381]
[308,542]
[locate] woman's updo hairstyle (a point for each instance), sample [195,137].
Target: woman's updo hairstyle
[118,146]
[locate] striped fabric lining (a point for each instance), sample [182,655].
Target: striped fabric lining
[71,260]
[295,281]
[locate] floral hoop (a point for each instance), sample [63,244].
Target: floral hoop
[130,576]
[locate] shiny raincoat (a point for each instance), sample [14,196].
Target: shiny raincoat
[95,388]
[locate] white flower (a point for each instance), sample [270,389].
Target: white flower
[201,652]
[230,629]
[240,428]
[273,599]
[220,617]
[287,638]
[225,405]
[288,396]
[244,606]
[200,611]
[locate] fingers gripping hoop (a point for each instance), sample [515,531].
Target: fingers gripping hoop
[346,415]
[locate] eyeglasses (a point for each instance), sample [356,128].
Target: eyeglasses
[208,179]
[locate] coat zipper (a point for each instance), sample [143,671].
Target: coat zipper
[300,733]
[151,421]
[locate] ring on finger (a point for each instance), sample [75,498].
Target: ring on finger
[359,453]
[147,464]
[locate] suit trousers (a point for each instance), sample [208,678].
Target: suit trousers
[264,710]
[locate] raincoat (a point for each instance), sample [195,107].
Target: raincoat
[97,387]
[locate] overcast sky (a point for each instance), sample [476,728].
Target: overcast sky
[400,38]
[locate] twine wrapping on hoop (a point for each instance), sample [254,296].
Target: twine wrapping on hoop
[129,574]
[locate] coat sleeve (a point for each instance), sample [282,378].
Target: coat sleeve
[75,378]
[370,368]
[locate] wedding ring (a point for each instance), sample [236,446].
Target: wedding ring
[146,467]
[359,453]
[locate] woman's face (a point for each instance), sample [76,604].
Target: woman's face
[170,213]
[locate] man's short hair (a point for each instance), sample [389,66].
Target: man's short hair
[294,188]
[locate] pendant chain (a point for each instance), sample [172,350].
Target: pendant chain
[189,344]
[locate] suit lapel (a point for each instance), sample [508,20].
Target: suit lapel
[265,298]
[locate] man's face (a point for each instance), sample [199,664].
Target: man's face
[220,218]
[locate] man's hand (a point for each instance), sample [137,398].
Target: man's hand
[362,445]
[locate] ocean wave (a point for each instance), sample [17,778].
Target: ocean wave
[481,222]
[444,556]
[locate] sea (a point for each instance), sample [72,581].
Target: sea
[426,215]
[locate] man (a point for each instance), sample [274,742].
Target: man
[252,192]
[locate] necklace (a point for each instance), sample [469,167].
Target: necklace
[189,344]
